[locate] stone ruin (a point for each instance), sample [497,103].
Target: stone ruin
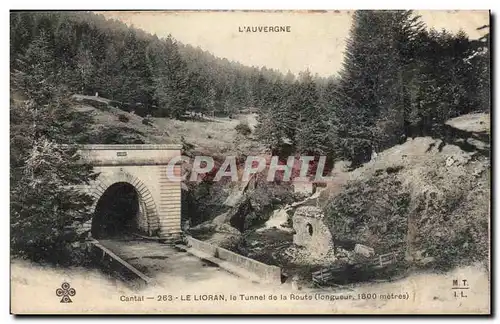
[311,231]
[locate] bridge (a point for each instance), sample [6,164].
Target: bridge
[132,192]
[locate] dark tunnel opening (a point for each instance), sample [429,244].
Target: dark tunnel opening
[116,211]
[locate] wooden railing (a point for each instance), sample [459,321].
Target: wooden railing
[385,259]
[325,275]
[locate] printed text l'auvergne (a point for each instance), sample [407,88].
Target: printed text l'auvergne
[264,29]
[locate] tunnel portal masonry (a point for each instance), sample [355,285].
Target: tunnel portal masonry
[298,169]
[142,167]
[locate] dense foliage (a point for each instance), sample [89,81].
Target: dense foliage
[442,226]
[398,80]
[353,215]
[46,205]
[141,72]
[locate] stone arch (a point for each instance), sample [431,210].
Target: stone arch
[310,229]
[146,201]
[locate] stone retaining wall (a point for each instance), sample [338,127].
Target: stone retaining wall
[268,273]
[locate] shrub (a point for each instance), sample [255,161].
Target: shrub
[47,211]
[243,129]
[123,118]
[186,146]
[452,224]
[373,212]
[115,135]
[147,121]
[96,103]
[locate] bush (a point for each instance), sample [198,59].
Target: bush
[115,135]
[243,129]
[372,212]
[452,224]
[96,104]
[123,118]
[116,104]
[147,121]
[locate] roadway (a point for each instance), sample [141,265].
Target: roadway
[164,263]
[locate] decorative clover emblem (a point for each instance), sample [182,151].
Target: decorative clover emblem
[65,291]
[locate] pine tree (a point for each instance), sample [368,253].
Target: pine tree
[311,134]
[135,83]
[277,125]
[270,132]
[371,96]
[108,80]
[314,137]
[37,72]
[45,202]
[170,77]
[480,60]
[86,71]
[211,100]
[46,205]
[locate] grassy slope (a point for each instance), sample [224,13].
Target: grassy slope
[210,136]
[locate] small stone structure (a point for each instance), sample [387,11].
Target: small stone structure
[311,231]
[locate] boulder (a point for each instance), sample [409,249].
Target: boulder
[221,219]
[226,228]
[225,236]
[364,250]
[203,227]
[238,215]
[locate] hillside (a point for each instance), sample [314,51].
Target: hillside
[209,135]
[427,196]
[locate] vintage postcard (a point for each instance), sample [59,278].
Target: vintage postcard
[250,162]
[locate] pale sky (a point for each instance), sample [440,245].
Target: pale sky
[316,40]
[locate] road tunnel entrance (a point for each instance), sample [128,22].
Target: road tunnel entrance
[117,212]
